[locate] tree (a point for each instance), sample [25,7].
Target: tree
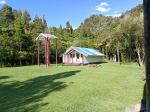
[6,16]
[147,49]
[116,37]
[69,27]
[19,35]
[44,24]
[7,31]
[26,20]
[139,41]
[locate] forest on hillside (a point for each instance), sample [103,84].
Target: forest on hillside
[119,38]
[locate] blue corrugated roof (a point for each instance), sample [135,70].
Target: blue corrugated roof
[88,51]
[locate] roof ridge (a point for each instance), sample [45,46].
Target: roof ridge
[84,47]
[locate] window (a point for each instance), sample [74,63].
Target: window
[78,56]
[72,55]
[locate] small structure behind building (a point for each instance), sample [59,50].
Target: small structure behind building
[78,55]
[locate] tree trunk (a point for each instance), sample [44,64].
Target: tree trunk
[121,57]
[106,52]
[147,50]
[115,58]
[118,54]
[32,59]
[143,58]
[139,57]
[20,61]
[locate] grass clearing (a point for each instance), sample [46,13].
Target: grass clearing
[109,88]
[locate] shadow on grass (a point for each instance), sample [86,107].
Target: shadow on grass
[25,96]
[4,77]
[143,101]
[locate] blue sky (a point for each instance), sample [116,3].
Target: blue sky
[76,11]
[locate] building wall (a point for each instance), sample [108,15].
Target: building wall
[67,58]
[86,60]
[91,59]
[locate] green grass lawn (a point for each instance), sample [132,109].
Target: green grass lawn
[109,88]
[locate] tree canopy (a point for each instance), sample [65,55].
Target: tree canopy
[119,38]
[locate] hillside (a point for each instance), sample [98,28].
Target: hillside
[120,37]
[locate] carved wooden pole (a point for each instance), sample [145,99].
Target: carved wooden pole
[147,50]
[72,58]
[46,51]
[56,53]
[49,51]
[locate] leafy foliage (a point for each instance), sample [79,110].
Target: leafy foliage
[120,39]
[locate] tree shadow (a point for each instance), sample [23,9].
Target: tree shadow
[143,101]
[25,96]
[4,77]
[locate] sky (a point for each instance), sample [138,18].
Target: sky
[58,12]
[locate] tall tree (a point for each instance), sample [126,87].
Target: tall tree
[19,35]
[26,20]
[69,27]
[37,25]
[6,16]
[44,24]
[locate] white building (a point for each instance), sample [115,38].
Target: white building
[78,55]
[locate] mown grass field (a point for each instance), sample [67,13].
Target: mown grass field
[109,88]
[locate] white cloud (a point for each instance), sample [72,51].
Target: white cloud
[104,4]
[2,2]
[74,28]
[115,15]
[102,9]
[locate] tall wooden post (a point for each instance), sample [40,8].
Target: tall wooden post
[147,50]
[49,51]
[56,53]
[46,51]
[38,49]
[72,58]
